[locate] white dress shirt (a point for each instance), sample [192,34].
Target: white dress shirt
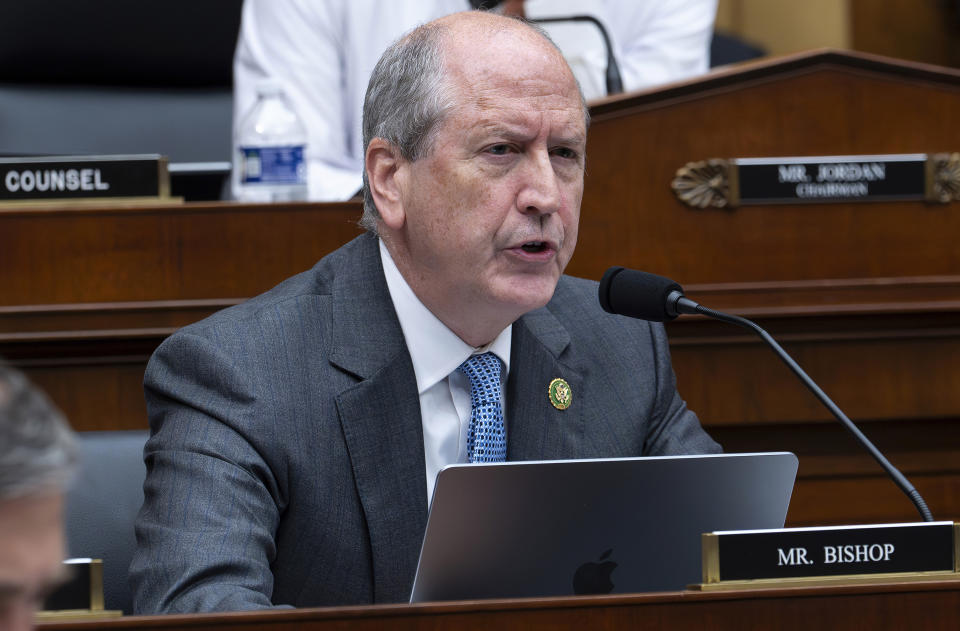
[444,391]
[654,41]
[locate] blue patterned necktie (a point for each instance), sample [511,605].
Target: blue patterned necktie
[486,436]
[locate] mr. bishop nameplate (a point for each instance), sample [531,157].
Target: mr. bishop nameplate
[830,551]
[83,177]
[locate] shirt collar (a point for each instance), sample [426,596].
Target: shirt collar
[435,350]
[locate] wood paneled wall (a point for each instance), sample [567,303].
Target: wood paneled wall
[865,296]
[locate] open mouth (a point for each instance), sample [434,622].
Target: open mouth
[534,246]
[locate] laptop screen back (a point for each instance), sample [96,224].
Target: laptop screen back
[624,525]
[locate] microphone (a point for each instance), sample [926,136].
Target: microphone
[639,295]
[651,297]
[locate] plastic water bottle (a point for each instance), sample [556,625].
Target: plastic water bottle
[270,164]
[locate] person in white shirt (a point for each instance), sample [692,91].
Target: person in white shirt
[323,52]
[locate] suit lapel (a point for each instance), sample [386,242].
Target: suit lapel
[381,422]
[536,430]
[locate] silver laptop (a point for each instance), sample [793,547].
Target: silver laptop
[564,527]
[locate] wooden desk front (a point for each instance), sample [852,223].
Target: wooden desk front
[894,607]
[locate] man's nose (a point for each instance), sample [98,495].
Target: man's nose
[540,188]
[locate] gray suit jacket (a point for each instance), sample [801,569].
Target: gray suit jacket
[286,460]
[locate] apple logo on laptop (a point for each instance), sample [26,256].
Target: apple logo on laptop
[594,577]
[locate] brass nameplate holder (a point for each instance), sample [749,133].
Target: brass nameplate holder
[81,596]
[723,183]
[123,179]
[830,555]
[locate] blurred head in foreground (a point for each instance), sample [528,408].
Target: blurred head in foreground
[37,458]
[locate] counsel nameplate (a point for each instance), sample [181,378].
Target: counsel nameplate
[84,177]
[830,551]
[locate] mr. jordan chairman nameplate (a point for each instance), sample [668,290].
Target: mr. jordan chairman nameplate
[819,179]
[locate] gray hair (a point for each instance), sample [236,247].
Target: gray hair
[37,448]
[408,97]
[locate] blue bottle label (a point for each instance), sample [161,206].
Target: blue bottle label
[273,165]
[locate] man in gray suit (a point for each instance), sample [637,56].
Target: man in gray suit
[296,436]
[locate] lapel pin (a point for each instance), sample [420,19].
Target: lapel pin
[560,394]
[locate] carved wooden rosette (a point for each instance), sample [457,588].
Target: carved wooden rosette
[943,177]
[707,183]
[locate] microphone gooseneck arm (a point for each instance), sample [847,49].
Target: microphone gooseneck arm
[677,303]
[614,82]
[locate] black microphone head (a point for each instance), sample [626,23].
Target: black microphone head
[637,294]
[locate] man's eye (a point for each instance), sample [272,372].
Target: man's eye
[499,150]
[565,152]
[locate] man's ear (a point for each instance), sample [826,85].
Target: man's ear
[385,175]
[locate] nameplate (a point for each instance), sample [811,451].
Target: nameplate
[748,555]
[819,179]
[84,177]
[83,588]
